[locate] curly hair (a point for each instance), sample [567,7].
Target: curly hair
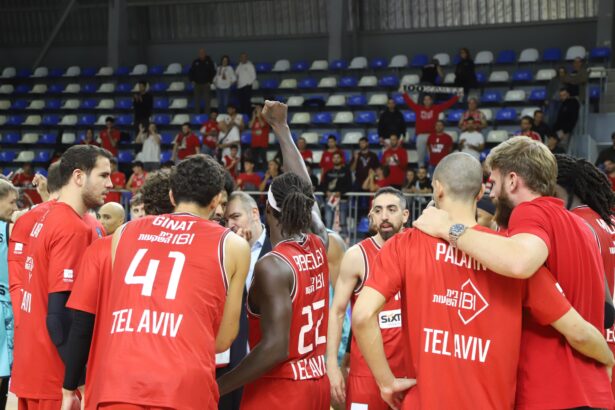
[155,193]
[197,179]
[295,198]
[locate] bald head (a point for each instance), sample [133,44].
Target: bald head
[112,216]
[461,176]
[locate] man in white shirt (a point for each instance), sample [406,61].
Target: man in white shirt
[471,141]
[246,75]
[231,126]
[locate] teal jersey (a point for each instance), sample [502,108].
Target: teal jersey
[6,310]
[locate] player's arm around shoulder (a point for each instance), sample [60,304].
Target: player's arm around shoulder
[236,264]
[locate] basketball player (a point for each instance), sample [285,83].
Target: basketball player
[166,308]
[540,232]
[389,213]
[463,322]
[57,241]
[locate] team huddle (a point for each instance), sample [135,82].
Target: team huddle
[445,315]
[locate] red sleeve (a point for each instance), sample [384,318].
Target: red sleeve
[529,218]
[413,106]
[448,104]
[387,275]
[385,157]
[403,157]
[323,157]
[116,135]
[544,298]
[64,256]
[122,178]
[84,295]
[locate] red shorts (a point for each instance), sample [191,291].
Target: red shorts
[125,406]
[363,393]
[612,346]
[284,394]
[36,404]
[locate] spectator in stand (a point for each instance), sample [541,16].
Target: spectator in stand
[143,105]
[306,154]
[409,186]
[465,76]
[471,141]
[576,80]
[553,144]
[480,121]
[248,180]
[23,176]
[423,183]
[553,101]
[326,161]
[432,72]
[167,166]
[396,159]
[260,137]
[202,73]
[609,168]
[246,75]
[150,151]
[336,182]
[273,170]
[88,138]
[607,154]
[363,161]
[376,179]
[426,117]
[109,137]
[540,126]
[231,127]
[137,179]
[527,124]
[439,145]
[232,160]
[210,130]
[185,143]
[118,179]
[137,208]
[567,116]
[225,77]
[391,121]
[313,178]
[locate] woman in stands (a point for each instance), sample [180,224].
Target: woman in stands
[150,152]
[225,77]
[273,170]
[465,76]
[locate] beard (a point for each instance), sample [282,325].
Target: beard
[503,210]
[387,230]
[91,200]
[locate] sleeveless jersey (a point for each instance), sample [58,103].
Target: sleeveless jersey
[389,320]
[310,310]
[162,314]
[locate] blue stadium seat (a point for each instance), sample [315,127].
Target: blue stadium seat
[19,104]
[388,81]
[454,116]
[491,97]
[159,87]
[373,138]
[56,72]
[125,157]
[24,73]
[348,81]
[89,103]
[358,100]
[42,156]
[506,57]
[337,65]
[23,88]
[41,171]
[89,88]
[314,101]
[246,118]
[186,69]
[263,67]
[124,103]
[89,71]
[481,78]
[11,138]
[398,98]
[166,156]
[280,98]
[7,156]
[166,138]
[365,117]
[246,137]
[363,225]
[409,116]
[522,76]
[199,119]
[378,63]
[162,119]
[419,60]
[51,119]
[123,88]
[600,53]
[456,59]
[506,115]
[189,87]
[155,70]
[322,118]
[14,120]
[305,83]
[161,103]
[484,154]
[55,88]
[299,66]
[48,138]
[594,92]
[53,104]
[538,95]
[325,137]
[124,119]
[122,71]
[551,55]
[87,119]
[269,84]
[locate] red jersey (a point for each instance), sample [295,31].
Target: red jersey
[426,118]
[326,161]
[119,182]
[461,322]
[397,161]
[439,146]
[532,134]
[551,373]
[477,116]
[260,134]
[57,241]
[97,229]
[310,305]
[105,140]
[138,180]
[307,155]
[21,179]
[389,320]
[186,145]
[251,181]
[159,311]
[210,140]
[228,160]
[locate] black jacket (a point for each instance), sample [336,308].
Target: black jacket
[567,116]
[391,122]
[337,180]
[465,76]
[143,108]
[542,129]
[202,71]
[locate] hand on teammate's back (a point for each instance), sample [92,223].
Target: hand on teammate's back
[275,113]
[394,395]
[434,222]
